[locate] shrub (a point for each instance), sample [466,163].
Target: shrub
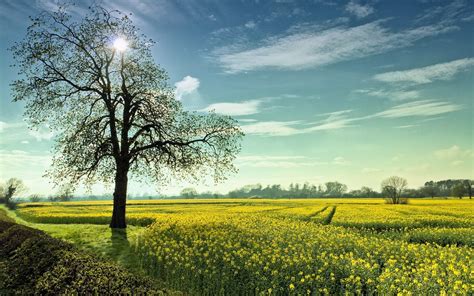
[81,274]
[12,238]
[31,262]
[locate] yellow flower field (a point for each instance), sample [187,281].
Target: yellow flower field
[299,247]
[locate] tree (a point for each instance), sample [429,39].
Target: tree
[459,190]
[430,189]
[35,198]
[393,188]
[65,192]
[335,189]
[11,188]
[368,192]
[95,81]
[469,184]
[189,193]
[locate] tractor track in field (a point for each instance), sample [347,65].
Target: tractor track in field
[329,217]
[317,212]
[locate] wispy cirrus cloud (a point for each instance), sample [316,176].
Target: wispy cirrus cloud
[273,128]
[247,107]
[394,95]
[279,161]
[18,158]
[339,160]
[441,71]
[335,120]
[235,109]
[359,10]
[341,119]
[447,12]
[285,161]
[306,48]
[370,170]
[419,108]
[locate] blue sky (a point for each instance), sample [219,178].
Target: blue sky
[354,91]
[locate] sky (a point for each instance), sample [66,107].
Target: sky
[354,91]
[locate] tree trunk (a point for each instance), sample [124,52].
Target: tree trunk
[120,198]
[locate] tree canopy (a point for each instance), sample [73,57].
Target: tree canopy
[111,108]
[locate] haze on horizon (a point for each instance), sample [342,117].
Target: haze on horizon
[324,90]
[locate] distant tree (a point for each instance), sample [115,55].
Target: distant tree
[93,79]
[469,187]
[12,188]
[66,192]
[459,190]
[335,189]
[416,193]
[189,192]
[393,188]
[368,192]
[35,198]
[430,189]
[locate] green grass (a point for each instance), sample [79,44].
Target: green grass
[92,238]
[34,263]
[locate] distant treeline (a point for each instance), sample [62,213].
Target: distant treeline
[444,188]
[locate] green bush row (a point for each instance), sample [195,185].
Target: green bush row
[33,263]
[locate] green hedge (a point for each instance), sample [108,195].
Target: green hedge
[33,263]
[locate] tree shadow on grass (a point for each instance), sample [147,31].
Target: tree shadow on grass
[121,250]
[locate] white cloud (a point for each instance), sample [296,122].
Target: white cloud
[455,155]
[25,142]
[282,161]
[339,160]
[359,10]
[278,161]
[447,12]
[12,159]
[335,120]
[250,25]
[394,95]
[187,86]
[418,108]
[442,71]
[235,109]
[40,134]
[269,158]
[340,119]
[5,125]
[370,170]
[407,126]
[212,17]
[272,128]
[304,47]
[453,152]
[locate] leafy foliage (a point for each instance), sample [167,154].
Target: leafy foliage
[113,112]
[32,262]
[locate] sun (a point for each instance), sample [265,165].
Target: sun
[120,44]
